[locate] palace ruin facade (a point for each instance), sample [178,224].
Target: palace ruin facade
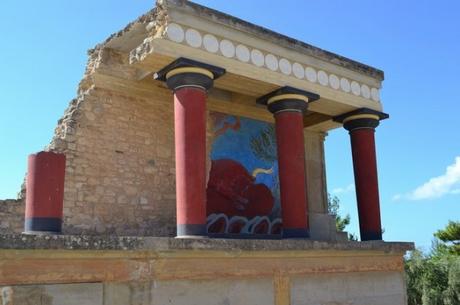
[190,169]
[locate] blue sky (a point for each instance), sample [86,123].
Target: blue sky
[416,43]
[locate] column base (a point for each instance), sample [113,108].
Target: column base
[191,231]
[192,237]
[41,233]
[43,225]
[371,236]
[296,233]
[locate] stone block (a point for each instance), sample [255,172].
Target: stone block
[341,236]
[364,288]
[222,292]
[322,227]
[61,294]
[75,294]
[127,293]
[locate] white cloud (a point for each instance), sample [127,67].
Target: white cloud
[342,190]
[448,183]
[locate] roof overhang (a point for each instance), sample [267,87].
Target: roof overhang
[258,61]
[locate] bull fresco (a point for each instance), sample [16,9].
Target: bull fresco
[243,187]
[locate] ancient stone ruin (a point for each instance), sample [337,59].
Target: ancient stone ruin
[190,169]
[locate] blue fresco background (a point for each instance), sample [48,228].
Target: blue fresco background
[236,145]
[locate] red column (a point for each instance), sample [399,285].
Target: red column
[361,124]
[190,81]
[291,162]
[367,190]
[288,105]
[44,192]
[190,143]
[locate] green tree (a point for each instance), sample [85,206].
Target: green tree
[333,209]
[450,235]
[452,294]
[434,278]
[340,222]
[414,267]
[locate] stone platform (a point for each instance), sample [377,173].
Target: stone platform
[94,270]
[166,244]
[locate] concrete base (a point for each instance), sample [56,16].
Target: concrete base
[91,270]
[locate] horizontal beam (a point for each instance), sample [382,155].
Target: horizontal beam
[219,100]
[64,266]
[245,78]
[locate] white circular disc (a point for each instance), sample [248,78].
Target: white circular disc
[375,94]
[210,43]
[345,84]
[227,48]
[365,91]
[257,58]
[271,62]
[285,66]
[322,78]
[311,74]
[298,70]
[355,88]
[175,32]
[334,81]
[193,38]
[242,53]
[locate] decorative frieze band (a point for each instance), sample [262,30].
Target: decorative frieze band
[235,50]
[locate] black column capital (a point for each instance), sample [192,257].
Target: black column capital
[184,72]
[287,99]
[361,118]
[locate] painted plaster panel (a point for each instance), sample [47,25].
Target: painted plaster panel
[243,188]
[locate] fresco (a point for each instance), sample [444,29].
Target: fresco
[243,188]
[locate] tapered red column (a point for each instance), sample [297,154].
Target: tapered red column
[190,146]
[190,81]
[291,163]
[367,190]
[361,124]
[44,193]
[288,106]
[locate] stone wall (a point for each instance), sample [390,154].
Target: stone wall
[322,225]
[92,270]
[316,171]
[120,165]
[376,288]
[11,216]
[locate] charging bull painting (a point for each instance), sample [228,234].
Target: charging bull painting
[243,188]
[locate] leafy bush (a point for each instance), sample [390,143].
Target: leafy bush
[434,278]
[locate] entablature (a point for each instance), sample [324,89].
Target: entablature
[257,60]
